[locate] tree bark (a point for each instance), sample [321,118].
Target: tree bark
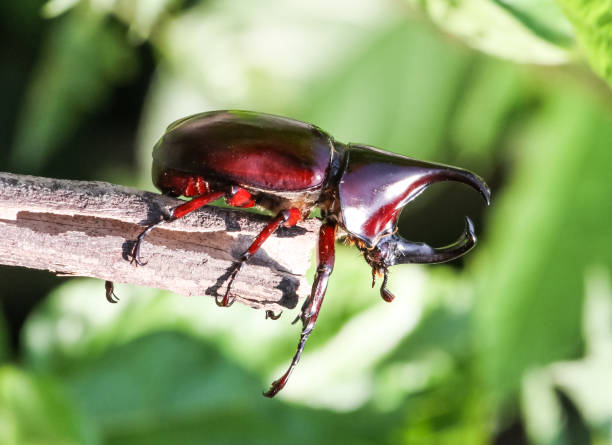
[88,229]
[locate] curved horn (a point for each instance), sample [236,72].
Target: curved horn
[397,250]
[447,173]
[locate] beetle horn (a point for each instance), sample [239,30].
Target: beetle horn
[397,250]
[431,173]
[448,173]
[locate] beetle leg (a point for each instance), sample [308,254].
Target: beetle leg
[312,305]
[177,212]
[110,292]
[289,217]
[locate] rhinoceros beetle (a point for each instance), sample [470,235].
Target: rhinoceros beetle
[289,168]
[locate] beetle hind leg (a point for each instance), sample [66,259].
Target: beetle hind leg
[289,217]
[312,305]
[177,212]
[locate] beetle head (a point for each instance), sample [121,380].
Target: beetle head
[375,186]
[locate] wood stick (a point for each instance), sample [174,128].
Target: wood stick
[87,229]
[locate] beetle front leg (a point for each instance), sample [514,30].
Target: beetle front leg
[289,217]
[177,212]
[312,305]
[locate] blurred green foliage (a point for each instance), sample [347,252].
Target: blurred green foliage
[593,24]
[512,345]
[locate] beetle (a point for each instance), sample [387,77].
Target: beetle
[289,168]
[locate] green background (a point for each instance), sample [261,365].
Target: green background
[512,344]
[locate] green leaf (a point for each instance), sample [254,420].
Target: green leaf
[587,381]
[543,17]
[592,20]
[549,225]
[494,90]
[36,411]
[531,32]
[393,94]
[168,387]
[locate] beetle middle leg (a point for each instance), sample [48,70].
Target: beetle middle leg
[312,305]
[289,217]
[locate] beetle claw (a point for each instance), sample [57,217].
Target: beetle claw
[275,387]
[136,258]
[226,301]
[110,292]
[384,292]
[270,314]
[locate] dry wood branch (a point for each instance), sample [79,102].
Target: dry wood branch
[87,229]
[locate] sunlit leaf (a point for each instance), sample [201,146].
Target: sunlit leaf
[544,18]
[587,380]
[512,30]
[592,20]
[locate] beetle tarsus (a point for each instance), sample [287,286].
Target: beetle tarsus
[110,292]
[280,383]
[228,299]
[136,258]
[271,315]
